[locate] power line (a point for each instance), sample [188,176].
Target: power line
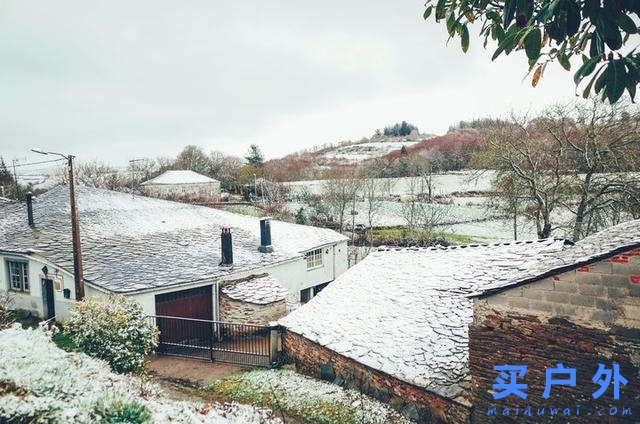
[38,163]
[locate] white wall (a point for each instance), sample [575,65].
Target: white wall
[34,300]
[211,189]
[293,275]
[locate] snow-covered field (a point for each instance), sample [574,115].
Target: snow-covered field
[40,383]
[442,184]
[394,213]
[363,151]
[465,215]
[466,211]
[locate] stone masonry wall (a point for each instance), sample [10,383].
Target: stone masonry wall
[250,313]
[414,402]
[578,318]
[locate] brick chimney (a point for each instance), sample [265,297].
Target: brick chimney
[30,210]
[265,235]
[227,248]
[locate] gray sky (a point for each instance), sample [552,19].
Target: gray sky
[126,79]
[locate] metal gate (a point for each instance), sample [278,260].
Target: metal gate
[244,344]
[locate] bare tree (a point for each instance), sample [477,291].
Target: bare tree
[141,170]
[193,158]
[579,157]
[373,192]
[422,218]
[339,194]
[93,174]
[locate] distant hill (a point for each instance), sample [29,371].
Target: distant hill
[310,164]
[451,151]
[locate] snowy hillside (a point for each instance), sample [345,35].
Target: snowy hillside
[363,151]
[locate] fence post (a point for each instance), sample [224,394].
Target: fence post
[273,345]
[211,341]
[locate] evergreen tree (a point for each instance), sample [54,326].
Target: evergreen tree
[5,176]
[301,218]
[254,156]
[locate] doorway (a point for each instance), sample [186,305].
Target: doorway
[49,299]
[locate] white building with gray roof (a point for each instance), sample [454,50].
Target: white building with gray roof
[153,250]
[182,184]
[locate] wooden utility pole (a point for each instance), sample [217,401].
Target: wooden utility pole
[15,179]
[75,232]
[75,229]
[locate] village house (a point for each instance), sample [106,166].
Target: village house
[166,255]
[422,328]
[182,184]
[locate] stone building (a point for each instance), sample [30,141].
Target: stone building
[257,299]
[184,184]
[580,308]
[423,328]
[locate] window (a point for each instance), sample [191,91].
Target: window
[314,258]
[317,289]
[18,275]
[305,295]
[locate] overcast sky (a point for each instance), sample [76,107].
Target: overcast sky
[127,79]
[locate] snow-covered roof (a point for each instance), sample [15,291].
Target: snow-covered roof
[406,311]
[179,177]
[132,243]
[260,290]
[601,245]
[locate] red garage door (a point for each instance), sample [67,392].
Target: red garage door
[193,303]
[185,337]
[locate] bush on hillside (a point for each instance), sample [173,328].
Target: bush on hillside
[114,328]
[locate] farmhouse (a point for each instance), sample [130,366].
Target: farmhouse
[167,255]
[182,184]
[422,328]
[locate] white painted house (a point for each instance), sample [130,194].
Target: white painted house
[182,183]
[162,253]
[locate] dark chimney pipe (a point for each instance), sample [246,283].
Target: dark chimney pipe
[227,247]
[30,209]
[265,236]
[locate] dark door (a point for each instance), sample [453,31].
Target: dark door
[49,299]
[196,304]
[193,303]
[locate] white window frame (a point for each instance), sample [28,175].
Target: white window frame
[19,276]
[314,259]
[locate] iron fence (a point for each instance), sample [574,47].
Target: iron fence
[245,344]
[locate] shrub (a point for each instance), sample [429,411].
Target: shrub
[7,315]
[117,411]
[301,218]
[113,328]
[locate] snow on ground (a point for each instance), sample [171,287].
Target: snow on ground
[363,151]
[443,184]
[304,397]
[392,213]
[179,177]
[41,383]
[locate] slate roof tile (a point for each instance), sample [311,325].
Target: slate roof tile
[406,311]
[132,243]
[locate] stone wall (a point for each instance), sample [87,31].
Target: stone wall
[414,402]
[232,310]
[579,318]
